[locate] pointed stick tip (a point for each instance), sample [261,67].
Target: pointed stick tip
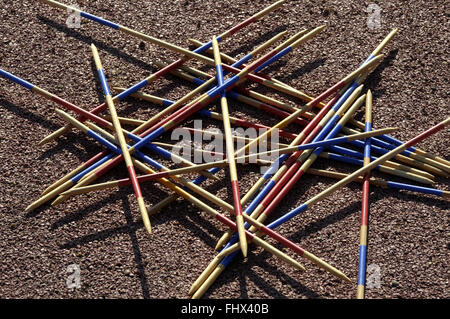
[57,200]
[244,246]
[194,288]
[380,56]
[393,129]
[242,236]
[218,246]
[147,225]
[346,278]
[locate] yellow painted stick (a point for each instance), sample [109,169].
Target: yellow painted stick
[253,99]
[373,181]
[243,74]
[230,151]
[415,160]
[121,139]
[434,157]
[174,157]
[125,120]
[200,167]
[296,114]
[393,171]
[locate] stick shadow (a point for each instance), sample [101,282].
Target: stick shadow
[105,47]
[306,68]
[135,246]
[355,207]
[375,77]
[72,143]
[130,228]
[194,223]
[99,44]
[27,115]
[246,48]
[259,260]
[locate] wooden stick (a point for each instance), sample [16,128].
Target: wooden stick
[125,120]
[382,183]
[325,118]
[396,142]
[406,156]
[219,269]
[200,167]
[365,204]
[361,171]
[382,168]
[230,151]
[180,115]
[161,72]
[121,139]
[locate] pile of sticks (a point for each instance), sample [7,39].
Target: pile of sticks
[327,122]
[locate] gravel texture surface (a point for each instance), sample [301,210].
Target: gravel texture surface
[408,237]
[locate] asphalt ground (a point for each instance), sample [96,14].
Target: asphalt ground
[99,232]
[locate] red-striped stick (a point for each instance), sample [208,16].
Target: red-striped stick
[161,72]
[365,203]
[230,151]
